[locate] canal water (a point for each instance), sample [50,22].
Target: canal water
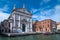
[33,37]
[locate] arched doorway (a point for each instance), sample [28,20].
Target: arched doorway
[23,27]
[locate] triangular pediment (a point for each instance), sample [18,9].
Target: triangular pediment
[23,10]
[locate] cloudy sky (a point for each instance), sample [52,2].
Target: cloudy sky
[41,9]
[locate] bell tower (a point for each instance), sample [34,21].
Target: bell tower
[14,6]
[23,5]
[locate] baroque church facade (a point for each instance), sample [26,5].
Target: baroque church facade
[20,20]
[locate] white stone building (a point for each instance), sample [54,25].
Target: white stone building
[20,20]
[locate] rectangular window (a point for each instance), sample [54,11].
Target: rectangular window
[46,29]
[40,28]
[43,26]
[48,25]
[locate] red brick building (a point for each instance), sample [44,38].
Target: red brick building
[47,25]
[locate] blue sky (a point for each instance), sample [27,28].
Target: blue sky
[41,9]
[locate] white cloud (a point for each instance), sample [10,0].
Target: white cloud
[33,10]
[5,8]
[44,17]
[44,1]
[56,15]
[4,15]
[35,16]
[53,14]
[47,12]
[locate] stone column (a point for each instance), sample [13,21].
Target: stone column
[31,25]
[20,24]
[27,27]
[19,21]
[14,20]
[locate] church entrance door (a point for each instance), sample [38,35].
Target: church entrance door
[23,27]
